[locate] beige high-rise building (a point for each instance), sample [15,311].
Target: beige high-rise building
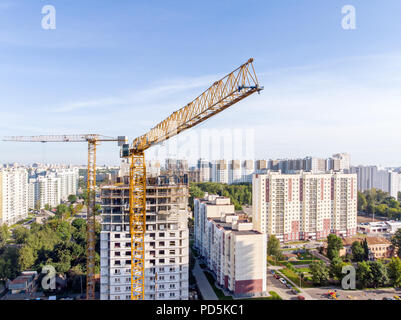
[304,205]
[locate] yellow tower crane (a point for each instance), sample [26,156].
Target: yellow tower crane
[225,92]
[93,140]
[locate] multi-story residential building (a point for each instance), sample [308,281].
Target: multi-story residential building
[370,177]
[219,171]
[204,168]
[13,195]
[234,253]
[166,240]
[235,174]
[304,205]
[51,186]
[344,161]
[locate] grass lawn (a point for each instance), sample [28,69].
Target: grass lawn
[219,293]
[295,278]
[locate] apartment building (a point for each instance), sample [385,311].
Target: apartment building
[166,240]
[304,205]
[13,195]
[51,186]
[233,252]
[370,177]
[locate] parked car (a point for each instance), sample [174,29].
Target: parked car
[294,291]
[272,271]
[301,298]
[288,286]
[388,298]
[276,276]
[397,298]
[282,280]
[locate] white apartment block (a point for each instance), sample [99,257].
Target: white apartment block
[370,177]
[13,195]
[234,252]
[304,205]
[166,241]
[52,187]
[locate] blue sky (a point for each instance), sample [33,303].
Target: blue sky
[119,67]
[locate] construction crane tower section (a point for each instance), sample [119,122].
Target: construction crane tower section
[234,87]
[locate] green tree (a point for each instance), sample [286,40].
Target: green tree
[72,198]
[379,275]
[9,267]
[362,203]
[27,257]
[48,207]
[336,266]
[98,209]
[4,235]
[334,245]
[195,193]
[365,247]
[394,271]
[319,271]
[396,241]
[20,234]
[273,247]
[358,252]
[364,274]
[63,211]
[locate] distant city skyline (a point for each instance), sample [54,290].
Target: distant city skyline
[118,70]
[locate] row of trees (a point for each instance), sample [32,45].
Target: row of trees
[369,274]
[240,194]
[377,202]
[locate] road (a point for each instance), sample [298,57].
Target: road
[203,284]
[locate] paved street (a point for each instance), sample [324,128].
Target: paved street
[203,284]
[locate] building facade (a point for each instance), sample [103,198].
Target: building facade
[13,195]
[304,205]
[166,240]
[232,250]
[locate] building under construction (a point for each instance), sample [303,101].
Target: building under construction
[166,240]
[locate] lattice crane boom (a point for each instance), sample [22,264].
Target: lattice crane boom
[234,87]
[93,140]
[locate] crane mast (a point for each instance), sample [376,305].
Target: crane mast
[234,87]
[93,140]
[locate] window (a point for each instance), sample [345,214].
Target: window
[172,294]
[117,236]
[172,260]
[172,251]
[161,261]
[127,261]
[161,252]
[117,254]
[117,245]
[128,245]
[161,234]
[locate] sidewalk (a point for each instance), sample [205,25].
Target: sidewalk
[203,284]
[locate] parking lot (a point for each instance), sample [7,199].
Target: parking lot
[280,288]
